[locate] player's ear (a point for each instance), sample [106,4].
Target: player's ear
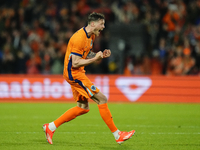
[92,23]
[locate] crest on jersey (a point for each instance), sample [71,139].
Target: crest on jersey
[93,88]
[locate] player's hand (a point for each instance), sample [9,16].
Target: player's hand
[99,55]
[106,53]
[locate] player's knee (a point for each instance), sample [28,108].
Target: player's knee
[100,98]
[84,109]
[103,99]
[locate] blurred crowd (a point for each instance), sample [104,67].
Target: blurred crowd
[34,35]
[173,47]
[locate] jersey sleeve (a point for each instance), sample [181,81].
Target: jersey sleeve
[78,46]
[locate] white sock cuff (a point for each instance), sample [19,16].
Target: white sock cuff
[116,135]
[52,126]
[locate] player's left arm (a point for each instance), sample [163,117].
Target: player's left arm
[91,55]
[106,53]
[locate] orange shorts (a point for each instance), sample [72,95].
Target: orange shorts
[82,87]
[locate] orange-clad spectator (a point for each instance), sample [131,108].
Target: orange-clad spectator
[171,18]
[63,48]
[46,64]
[146,65]
[24,3]
[175,66]
[34,46]
[182,12]
[82,7]
[40,32]
[183,63]
[156,65]
[33,64]
[188,61]
[177,35]
[128,69]
[138,68]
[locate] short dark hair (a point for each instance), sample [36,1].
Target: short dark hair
[95,17]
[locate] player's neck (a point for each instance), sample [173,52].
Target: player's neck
[89,30]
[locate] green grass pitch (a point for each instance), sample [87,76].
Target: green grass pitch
[158,127]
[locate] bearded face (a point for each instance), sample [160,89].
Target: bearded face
[98,26]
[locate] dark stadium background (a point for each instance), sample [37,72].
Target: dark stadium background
[159,37]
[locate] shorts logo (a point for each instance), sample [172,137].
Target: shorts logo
[93,88]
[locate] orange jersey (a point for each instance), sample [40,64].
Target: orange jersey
[79,44]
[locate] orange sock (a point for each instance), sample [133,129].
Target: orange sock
[69,115]
[107,117]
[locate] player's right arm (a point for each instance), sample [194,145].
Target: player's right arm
[77,61]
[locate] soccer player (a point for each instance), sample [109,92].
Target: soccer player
[78,55]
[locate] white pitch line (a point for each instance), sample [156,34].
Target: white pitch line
[60,132]
[141,126]
[170,133]
[164,126]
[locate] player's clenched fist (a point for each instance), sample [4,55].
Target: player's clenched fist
[99,55]
[106,53]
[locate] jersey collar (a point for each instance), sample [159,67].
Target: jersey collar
[86,32]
